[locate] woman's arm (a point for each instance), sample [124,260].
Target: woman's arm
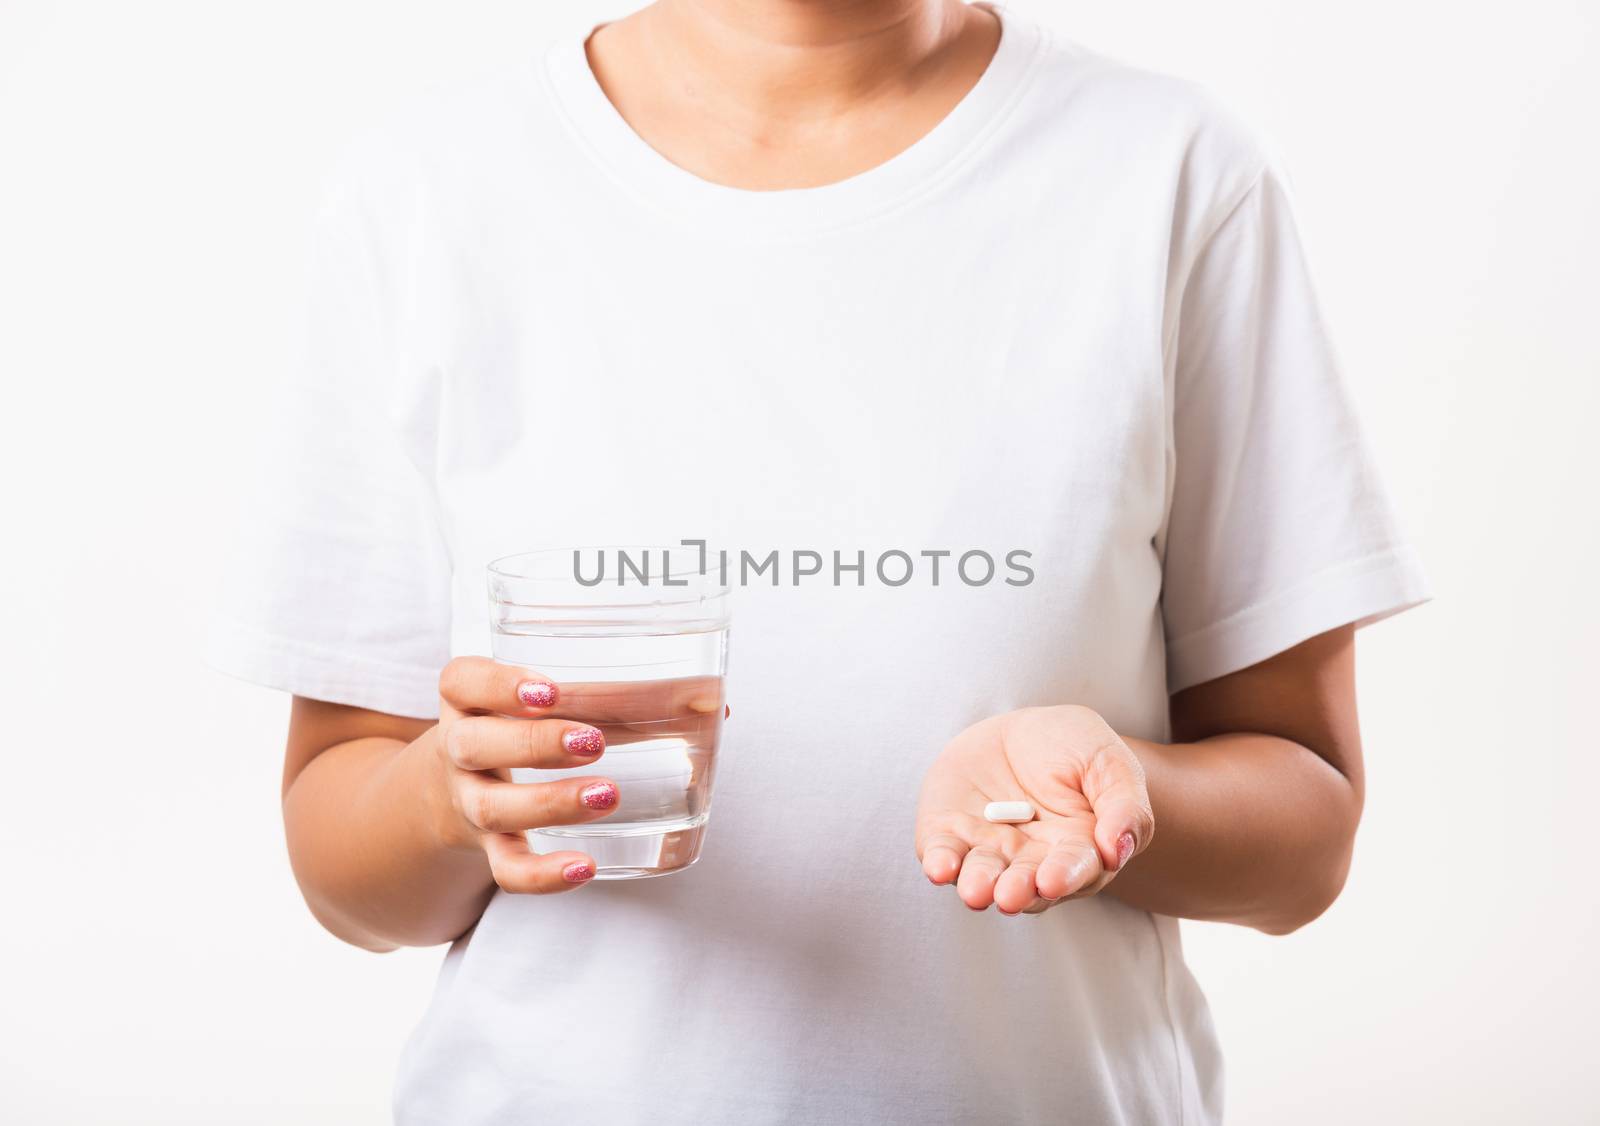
[1257,800]
[1249,818]
[376,848]
[400,829]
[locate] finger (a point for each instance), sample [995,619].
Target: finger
[698,732]
[1115,786]
[519,869]
[1072,865]
[509,807]
[941,855]
[653,706]
[1016,890]
[479,685]
[979,871]
[495,742]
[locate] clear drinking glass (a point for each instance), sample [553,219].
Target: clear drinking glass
[641,654]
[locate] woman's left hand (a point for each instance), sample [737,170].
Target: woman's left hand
[1087,787]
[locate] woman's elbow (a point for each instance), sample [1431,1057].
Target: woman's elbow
[1318,882]
[1307,903]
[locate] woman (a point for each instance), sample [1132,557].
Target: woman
[893,275]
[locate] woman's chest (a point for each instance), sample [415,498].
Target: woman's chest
[910,460]
[884,390]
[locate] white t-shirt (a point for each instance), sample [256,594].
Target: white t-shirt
[1073,320]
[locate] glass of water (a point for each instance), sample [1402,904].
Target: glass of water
[636,640]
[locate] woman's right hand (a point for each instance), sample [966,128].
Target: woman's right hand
[493,717]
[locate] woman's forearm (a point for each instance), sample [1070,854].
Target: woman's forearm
[1250,829]
[371,840]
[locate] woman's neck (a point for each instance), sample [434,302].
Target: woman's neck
[790,93]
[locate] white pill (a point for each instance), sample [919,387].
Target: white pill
[1008,812]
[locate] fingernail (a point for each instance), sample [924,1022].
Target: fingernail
[578,873]
[536,693]
[601,795]
[1125,846]
[584,741]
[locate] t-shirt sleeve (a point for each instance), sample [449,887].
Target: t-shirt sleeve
[1278,527]
[339,587]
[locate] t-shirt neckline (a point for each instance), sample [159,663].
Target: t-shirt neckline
[651,177]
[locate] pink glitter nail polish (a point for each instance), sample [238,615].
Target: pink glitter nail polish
[578,873]
[1125,844]
[536,693]
[586,741]
[601,795]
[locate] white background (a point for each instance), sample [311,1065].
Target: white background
[158,162]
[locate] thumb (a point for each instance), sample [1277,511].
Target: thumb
[1115,786]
